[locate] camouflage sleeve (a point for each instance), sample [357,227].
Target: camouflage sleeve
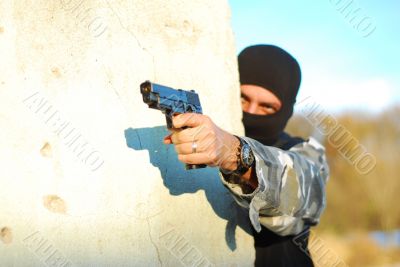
[291,187]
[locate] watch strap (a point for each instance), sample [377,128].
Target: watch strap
[241,168]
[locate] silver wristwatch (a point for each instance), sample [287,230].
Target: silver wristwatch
[245,158]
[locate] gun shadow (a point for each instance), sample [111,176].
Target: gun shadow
[179,181]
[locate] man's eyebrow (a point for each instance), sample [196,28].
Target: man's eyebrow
[269,105]
[244,96]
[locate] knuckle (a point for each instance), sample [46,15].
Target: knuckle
[210,135]
[176,121]
[182,158]
[213,147]
[199,131]
[174,139]
[207,120]
[187,159]
[179,138]
[191,116]
[213,133]
[214,156]
[207,149]
[184,118]
[209,156]
[195,119]
[178,149]
[196,134]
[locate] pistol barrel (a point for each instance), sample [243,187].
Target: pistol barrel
[168,99]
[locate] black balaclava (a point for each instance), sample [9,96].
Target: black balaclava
[274,69]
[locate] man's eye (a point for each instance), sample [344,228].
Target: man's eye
[268,109]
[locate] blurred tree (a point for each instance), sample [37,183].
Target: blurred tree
[354,200]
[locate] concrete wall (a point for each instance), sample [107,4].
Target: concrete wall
[85,179]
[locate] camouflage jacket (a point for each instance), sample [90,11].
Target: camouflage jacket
[291,187]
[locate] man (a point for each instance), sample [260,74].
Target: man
[279,179]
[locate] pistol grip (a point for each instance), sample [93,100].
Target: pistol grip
[194,166]
[168,118]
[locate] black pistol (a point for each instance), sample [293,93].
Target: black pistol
[171,101]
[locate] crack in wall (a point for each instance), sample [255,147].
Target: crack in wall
[152,241]
[134,36]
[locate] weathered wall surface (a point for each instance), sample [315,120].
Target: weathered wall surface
[85,179]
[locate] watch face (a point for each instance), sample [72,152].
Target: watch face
[247,156]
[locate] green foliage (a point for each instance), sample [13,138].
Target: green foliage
[355,200]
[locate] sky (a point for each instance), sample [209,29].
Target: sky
[349,59]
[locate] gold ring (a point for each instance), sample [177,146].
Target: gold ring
[194,147]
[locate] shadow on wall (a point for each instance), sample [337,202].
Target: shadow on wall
[179,181]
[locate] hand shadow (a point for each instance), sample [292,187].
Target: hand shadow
[180,181]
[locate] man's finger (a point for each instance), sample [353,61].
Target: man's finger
[189,135]
[178,138]
[167,139]
[197,158]
[187,148]
[188,120]
[184,149]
